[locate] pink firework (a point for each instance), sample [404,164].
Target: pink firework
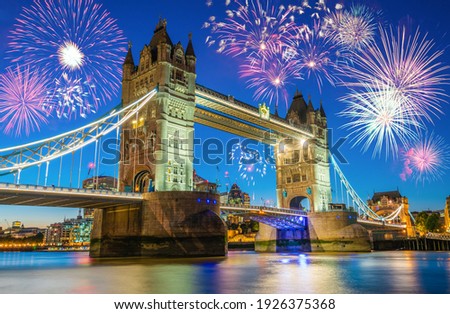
[426,160]
[315,56]
[270,79]
[254,27]
[22,96]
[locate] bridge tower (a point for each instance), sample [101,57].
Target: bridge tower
[157,145]
[303,169]
[446,214]
[406,218]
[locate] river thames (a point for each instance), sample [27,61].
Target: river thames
[239,272]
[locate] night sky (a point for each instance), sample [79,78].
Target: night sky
[137,18]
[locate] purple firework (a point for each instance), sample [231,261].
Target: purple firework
[73,37]
[22,96]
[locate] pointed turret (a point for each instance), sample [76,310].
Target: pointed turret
[190,47]
[160,34]
[322,111]
[297,111]
[161,44]
[191,59]
[129,58]
[128,64]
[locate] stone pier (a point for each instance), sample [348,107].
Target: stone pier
[168,224]
[337,231]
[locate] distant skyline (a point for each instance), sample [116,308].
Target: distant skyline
[138,18]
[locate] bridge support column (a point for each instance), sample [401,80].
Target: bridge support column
[168,224]
[337,231]
[272,240]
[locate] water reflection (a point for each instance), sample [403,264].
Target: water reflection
[240,272]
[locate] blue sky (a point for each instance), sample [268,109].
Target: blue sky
[137,18]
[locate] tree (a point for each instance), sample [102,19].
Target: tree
[432,223]
[421,220]
[254,225]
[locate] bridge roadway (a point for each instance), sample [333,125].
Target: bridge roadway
[279,212]
[35,195]
[49,196]
[370,224]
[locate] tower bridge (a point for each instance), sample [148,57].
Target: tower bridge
[155,211]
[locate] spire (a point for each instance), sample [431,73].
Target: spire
[190,47]
[129,58]
[162,23]
[276,111]
[310,105]
[322,111]
[298,93]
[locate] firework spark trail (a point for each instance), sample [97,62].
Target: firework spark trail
[406,65]
[22,95]
[379,119]
[426,160]
[254,28]
[75,37]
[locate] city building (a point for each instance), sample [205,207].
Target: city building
[203,185]
[101,183]
[28,232]
[16,225]
[224,198]
[75,231]
[237,197]
[88,213]
[385,203]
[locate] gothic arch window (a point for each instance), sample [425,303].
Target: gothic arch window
[176,139]
[179,57]
[152,141]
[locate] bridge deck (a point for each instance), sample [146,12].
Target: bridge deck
[34,195]
[221,111]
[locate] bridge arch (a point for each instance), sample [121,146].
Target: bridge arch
[141,181]
[301,203]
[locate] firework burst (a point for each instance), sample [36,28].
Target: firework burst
[252,164]
[72,98]
[379,119]
[315,56]
[405,65]
[75,38]
[254,28]
[351,29]
[22,96]
[426,160]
